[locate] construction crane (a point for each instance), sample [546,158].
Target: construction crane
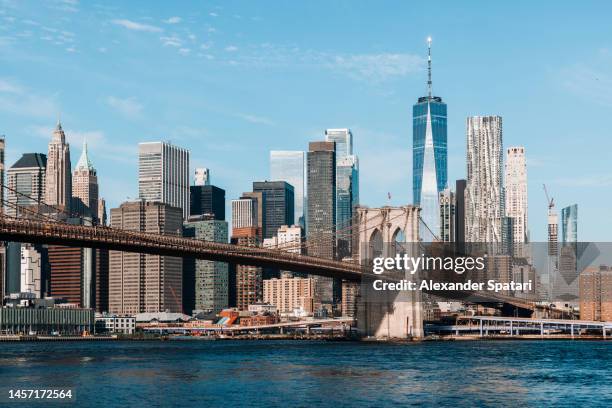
[551,201]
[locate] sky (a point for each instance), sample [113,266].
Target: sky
[233,80]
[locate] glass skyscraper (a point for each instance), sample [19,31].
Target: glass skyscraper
[429,156]
[569,224]
[347,186]
[289,166]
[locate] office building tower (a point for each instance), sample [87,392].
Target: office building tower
[290,294]
[202,177]
[248,284]
[59,175]
[257,197]
[102,219]
[429,156]
[142,282]
[31,271]
[2,180]
[101,280]
[163,174]
[484,202]
[447,215]
[347,187]
[26,184]
[516,198]
[350,293]
[207,200]
[569,225]
[460,211]
[321,227]
[85,187]
[553,232]
[278,205]
[288,239]
[206,281]
[596,293]
[244,213]
[289,166]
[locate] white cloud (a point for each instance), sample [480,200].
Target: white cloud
[377,67]
[173,20]
[256,119]
[184,51]
[128,107]
[133,25]
[172,41]
[231,48]
[213,14]
[17,100]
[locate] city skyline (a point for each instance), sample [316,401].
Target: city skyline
[114,136]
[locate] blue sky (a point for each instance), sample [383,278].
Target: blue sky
[232,80]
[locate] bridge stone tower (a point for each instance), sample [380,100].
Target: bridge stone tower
[384,232]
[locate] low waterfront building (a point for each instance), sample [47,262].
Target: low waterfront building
[288,294]
[258,320]
[108,323]
[596,294]
[25,315]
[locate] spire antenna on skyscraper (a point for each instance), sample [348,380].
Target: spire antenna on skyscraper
[429,66]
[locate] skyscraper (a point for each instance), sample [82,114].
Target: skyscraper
[142,282]
[2,194]
[207,199]
[278,205]
[321,227]
[208,279]
[429,155]
[85,187]
[289,166]
[516,198]
[202,176]
[569,225]
[343,139]
[59,176]
[447,215]
[26,183]
[484,202]
[460,211]
[163,174]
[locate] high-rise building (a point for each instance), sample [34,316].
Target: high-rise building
[288,239]
[289,166]
[321,227]
[207,200]
[429,156]
[248,284]
[85,198]
[202,176]
[347,187]
[516,198]
[142,282]
[484,202]
[278,205]
[31,271]
[163,174]
[244,213]
[460,211]
[447,215]
[569,225]
[26,183]
[102,211]
[2,193]
[553,232]
[289,294]
[59,176]
[596,293]
[209,279]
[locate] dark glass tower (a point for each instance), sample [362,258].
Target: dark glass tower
[207,199]
[429,156]
[278,205]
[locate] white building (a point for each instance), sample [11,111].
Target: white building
[202,177]
[59,175]
[244,213]
[30,270]
[288,294]
[289,166]
[484,204]
[516,197]
[106,323]
[163,174]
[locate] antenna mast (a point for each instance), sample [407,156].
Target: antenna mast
[429,66]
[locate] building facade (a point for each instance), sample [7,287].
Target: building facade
[209,279]
[484,202]
[201,176]
[140,283]
[596,293]
[31,271]
[447,215]
[429,156]
[163,174]
[569,224]
[59,175]
[460,210]
[278,205]
[516,198]
[26,183]
[207,200]
[85,194]
[289,166]
[289,294]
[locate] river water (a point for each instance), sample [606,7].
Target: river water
[304,373]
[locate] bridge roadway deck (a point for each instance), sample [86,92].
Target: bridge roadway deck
[39,232]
